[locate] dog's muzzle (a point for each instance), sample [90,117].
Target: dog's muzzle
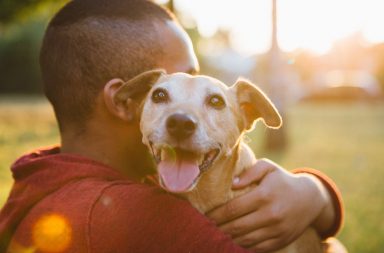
[180,126]
[179,169]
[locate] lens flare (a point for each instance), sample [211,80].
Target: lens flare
[52,233]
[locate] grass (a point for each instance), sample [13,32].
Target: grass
[26,123]
[346,141]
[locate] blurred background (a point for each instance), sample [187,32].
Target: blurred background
[321,62]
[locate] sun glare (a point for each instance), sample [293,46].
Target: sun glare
[52,233]
[309,24]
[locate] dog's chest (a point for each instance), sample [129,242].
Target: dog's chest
[215,187]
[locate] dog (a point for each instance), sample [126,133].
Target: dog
[194,127]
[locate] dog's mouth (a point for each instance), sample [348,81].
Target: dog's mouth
[179,169]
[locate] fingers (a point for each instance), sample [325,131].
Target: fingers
[236,207]
[268,245]
[269,235]
[244,224]
[257,237]
[254,174]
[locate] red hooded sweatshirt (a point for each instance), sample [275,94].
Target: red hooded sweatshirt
[67,203]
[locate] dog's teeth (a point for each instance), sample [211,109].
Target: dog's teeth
[211,155]
[156,152]
[163,154]
[201,159]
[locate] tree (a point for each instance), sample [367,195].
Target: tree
[10,9]
[22,24]
[277,86]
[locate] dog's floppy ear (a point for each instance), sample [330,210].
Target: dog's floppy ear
[138,86]
[123,98]
[254,105]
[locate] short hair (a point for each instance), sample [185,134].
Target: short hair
[89,42]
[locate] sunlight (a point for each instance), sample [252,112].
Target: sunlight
[307,24]
[373,26]
[316,25]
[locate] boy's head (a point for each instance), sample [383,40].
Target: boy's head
[89,42]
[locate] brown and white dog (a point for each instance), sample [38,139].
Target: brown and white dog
[194,126]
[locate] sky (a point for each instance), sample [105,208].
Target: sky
[308,24]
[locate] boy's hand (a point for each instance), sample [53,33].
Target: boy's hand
[276,211]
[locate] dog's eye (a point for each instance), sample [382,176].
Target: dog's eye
[216,101]
[160,96]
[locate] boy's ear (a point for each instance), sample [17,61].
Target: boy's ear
[123,98]
[254,105]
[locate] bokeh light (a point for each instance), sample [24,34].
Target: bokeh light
[52,233]
[308,24]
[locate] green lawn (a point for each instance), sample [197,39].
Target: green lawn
[345,141]
[25,123]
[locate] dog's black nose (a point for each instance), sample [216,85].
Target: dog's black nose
[180,126]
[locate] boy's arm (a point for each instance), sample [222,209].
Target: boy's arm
[336,204]
[280,207]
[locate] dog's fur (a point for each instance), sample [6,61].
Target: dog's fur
[219,127]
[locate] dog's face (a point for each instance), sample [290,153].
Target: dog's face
[190,122]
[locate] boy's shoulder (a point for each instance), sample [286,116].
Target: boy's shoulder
[67,214]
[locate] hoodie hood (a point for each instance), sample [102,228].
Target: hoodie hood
[37,175]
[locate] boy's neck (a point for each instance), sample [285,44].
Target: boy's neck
[117,149]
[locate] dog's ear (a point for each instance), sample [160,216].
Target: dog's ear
[123,98]
[254,105]
[138,86]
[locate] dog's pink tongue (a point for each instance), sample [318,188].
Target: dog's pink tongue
[178,171]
